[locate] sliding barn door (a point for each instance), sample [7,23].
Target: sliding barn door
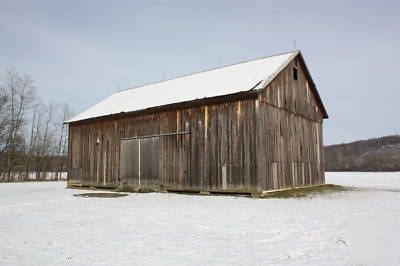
[139,163]
[149,162]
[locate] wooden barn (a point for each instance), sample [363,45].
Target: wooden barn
[245,128]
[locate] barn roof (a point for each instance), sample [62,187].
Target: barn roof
[246,76]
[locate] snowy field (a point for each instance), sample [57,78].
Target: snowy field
[43,224]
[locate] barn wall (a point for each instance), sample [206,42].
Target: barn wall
[219,154]
[291,132]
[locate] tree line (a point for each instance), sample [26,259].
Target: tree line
[33,136]
[377,154]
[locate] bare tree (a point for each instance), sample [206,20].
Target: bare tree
[33,136]
[3,118]
[63,139]
[47,141]
[19,95]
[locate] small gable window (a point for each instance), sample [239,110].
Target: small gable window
[295,73]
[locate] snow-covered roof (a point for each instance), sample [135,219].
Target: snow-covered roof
[251,75]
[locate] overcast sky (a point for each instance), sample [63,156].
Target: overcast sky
[80,52]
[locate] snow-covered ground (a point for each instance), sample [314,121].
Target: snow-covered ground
[43,224]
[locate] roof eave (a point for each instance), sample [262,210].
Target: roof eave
[187,104]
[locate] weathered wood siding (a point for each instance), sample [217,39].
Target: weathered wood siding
[269,141]
[218,154]
[291,132]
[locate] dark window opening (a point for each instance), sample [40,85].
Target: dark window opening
[295,73]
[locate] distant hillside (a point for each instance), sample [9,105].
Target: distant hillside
[379,154]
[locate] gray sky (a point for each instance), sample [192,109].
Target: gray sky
[79,51]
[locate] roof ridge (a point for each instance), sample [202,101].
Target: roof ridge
[211,69]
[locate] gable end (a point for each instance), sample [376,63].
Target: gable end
[294,90]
